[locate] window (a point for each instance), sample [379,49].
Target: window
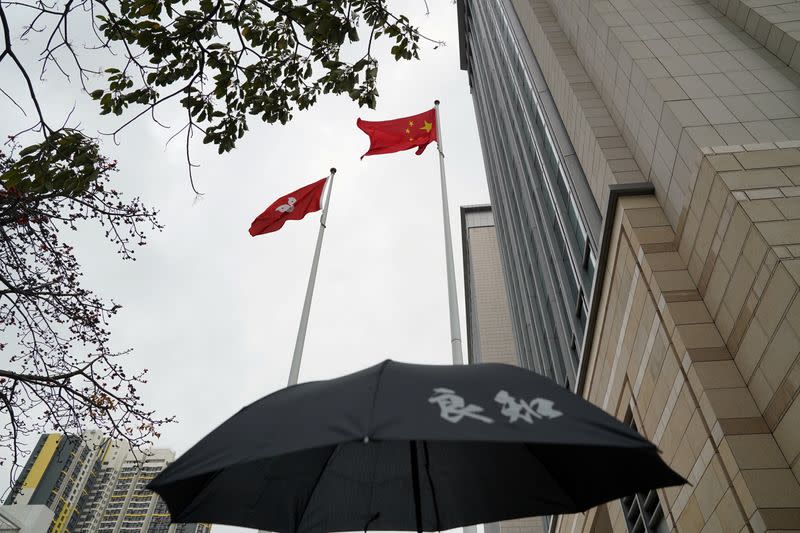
[643,512]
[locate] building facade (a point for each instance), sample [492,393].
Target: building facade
[56,475]
[91,484]
[490,336]
[644,173]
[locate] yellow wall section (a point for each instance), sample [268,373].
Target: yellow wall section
[42,460]
[61,521]
[107,448]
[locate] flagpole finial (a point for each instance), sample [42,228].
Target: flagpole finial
[333,170]
[436,102]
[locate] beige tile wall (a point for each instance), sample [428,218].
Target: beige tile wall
[699,330]
[660,350]
[773,23]
[675,76]
[495,333]
[523,525]
[742,244]
[603,153]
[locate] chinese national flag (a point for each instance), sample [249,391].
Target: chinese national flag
[388,136]
[293,206]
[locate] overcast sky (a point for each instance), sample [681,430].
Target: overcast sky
[213,312]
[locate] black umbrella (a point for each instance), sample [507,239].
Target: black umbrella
[410,447]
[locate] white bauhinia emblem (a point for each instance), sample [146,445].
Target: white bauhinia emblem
[537,408]
[453,407]
[288,207]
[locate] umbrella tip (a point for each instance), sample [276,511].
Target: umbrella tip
[333,170]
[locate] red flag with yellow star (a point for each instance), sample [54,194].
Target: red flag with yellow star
[388,136]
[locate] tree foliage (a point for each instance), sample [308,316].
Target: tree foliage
[221,62]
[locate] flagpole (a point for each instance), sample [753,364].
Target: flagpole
[294,373]
[455,324]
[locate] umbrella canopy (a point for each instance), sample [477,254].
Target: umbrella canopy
[410,447]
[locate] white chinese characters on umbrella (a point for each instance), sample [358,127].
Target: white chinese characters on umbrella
[519,409]
[454,408]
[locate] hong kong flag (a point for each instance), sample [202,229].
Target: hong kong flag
[388,136]
[293,206]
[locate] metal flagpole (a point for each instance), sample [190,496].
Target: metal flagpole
[455,324]
[294,373]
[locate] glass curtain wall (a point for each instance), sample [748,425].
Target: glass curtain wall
[549,258]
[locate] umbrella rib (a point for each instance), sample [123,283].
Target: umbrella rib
[375,395]
[372,489]
[316,484]
[430,483]
[415,485]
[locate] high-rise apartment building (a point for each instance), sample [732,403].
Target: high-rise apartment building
[92,484]
[57,474]
[644,173]
[119,501]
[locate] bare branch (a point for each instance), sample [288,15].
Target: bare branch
[61,374]
[13,101]
[9,52]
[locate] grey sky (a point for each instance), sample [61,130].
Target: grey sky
[213,312]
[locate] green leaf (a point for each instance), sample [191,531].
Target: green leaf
[29,150]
